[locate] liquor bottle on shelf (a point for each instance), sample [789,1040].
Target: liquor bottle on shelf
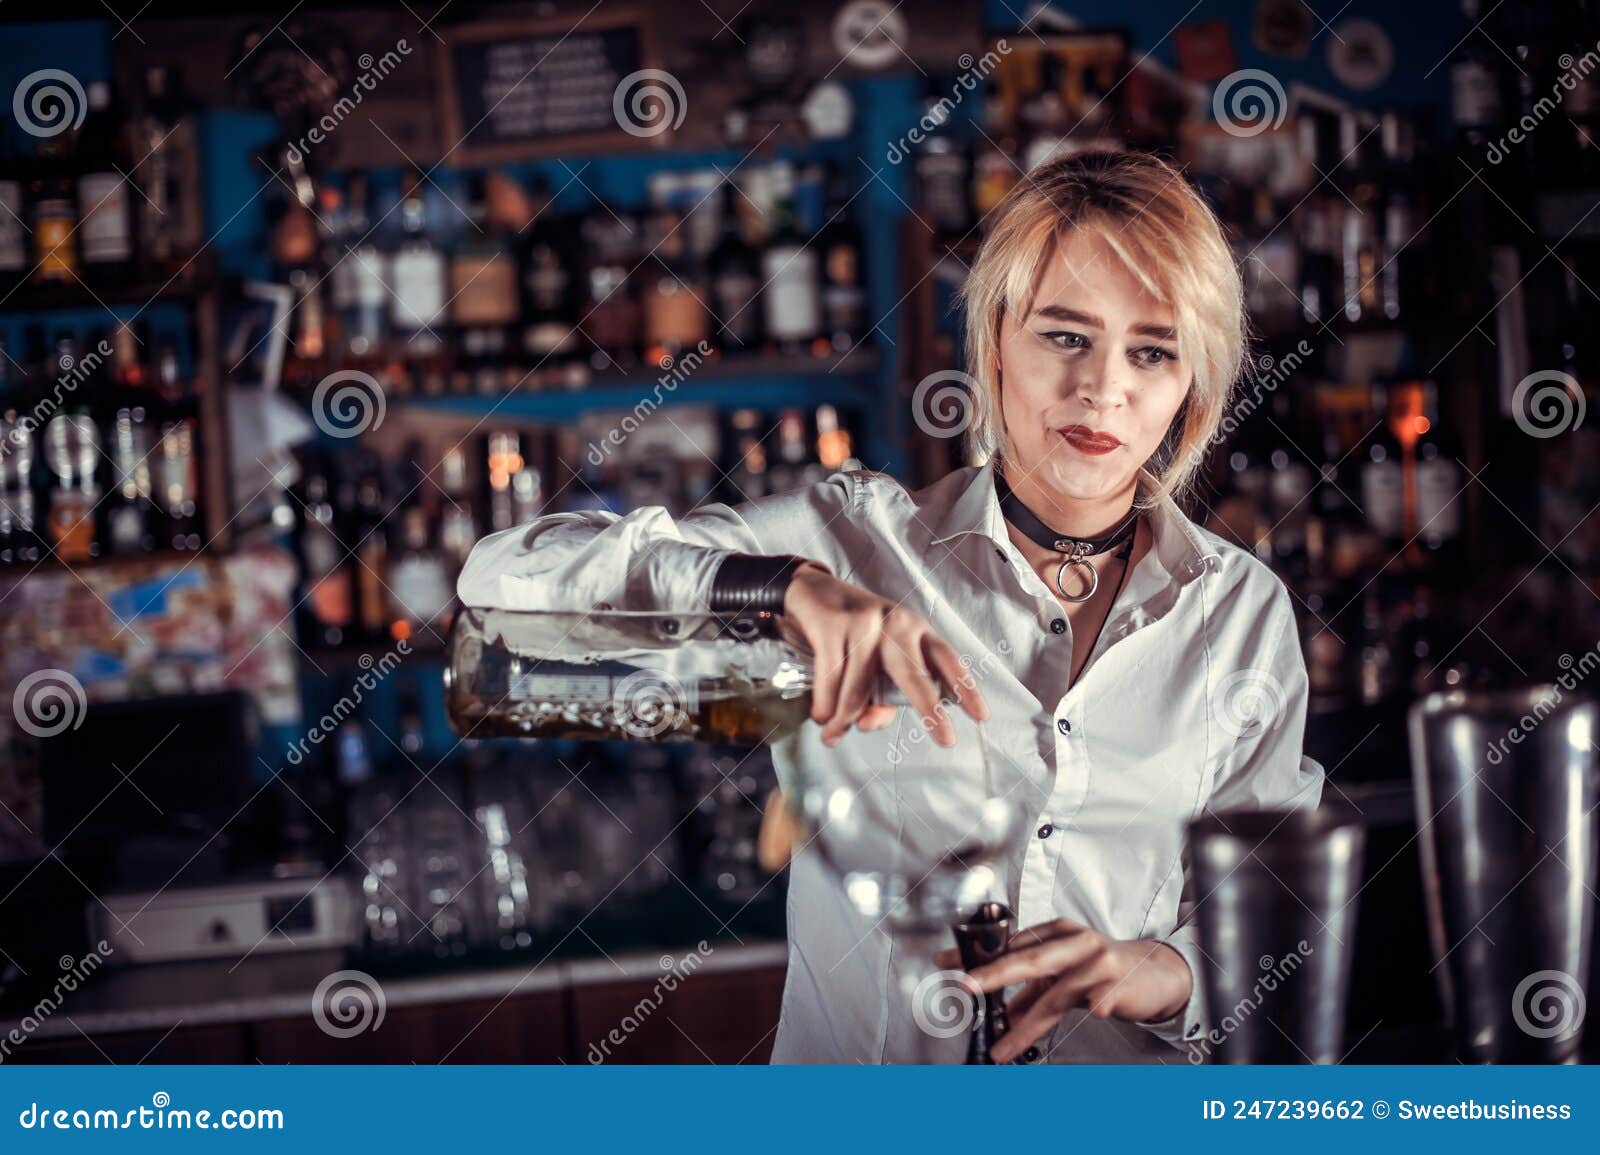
[18,543]
[504,460]
[105,228]
[940,165]
[177,482]
[166,137]
[416,271]
[72,450]
[130,514]
[609,309]
[420,585]
[1358,238]
[735,268]
[1477,96]
[483,282]
[327,608]
[14,249]
[1403,237]
[675,294]
[357,275]
[1433,485]
[835,448]
[791,294]
[55,245]
[791,469]
[748,476]
[550,332]
[371,553]
[844,295]
[1383,475]
[458,528]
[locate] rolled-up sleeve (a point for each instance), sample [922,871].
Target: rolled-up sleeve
[1267,769]
[646,560]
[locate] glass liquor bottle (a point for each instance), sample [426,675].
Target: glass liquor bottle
[357,277]
[791,293]
[735,267]
[417,278]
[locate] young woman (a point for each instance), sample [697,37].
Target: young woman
[1134,670]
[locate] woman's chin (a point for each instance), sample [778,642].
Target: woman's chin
[1081,479]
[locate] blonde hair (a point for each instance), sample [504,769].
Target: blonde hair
[1167,237]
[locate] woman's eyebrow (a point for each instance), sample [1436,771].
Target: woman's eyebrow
[1062,313]
[1159,332]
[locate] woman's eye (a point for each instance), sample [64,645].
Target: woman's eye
[1153,356]
[1068,340]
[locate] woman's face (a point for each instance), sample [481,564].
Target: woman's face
[1090,379]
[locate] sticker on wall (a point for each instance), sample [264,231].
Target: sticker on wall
[1283,28]
[870,33]
[1360,54]
[828,111]
[1205,50]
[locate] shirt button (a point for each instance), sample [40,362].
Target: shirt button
[1063,725]
[1000,553]
[1046,830]
[1031,1055]
[1059,626]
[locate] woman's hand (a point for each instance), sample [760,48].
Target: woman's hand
[854,636]
[1066,966]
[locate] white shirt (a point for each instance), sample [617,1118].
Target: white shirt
[1193,699]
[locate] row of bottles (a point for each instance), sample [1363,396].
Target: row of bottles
[524,287]
[115,200]
[380,547]
[99,451]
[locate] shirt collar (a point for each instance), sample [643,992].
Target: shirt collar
[1178,544]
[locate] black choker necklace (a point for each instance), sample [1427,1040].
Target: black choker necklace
[1076,549]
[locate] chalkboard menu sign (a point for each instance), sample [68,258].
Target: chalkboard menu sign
[518,88]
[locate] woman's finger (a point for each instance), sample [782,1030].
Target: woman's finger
[875,718]
[826,673]
[1054,957]
[958,678]
[1020,1003]
[904,666]
[855,689]
[1042,1014]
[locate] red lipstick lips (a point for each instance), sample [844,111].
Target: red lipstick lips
[1086,440]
